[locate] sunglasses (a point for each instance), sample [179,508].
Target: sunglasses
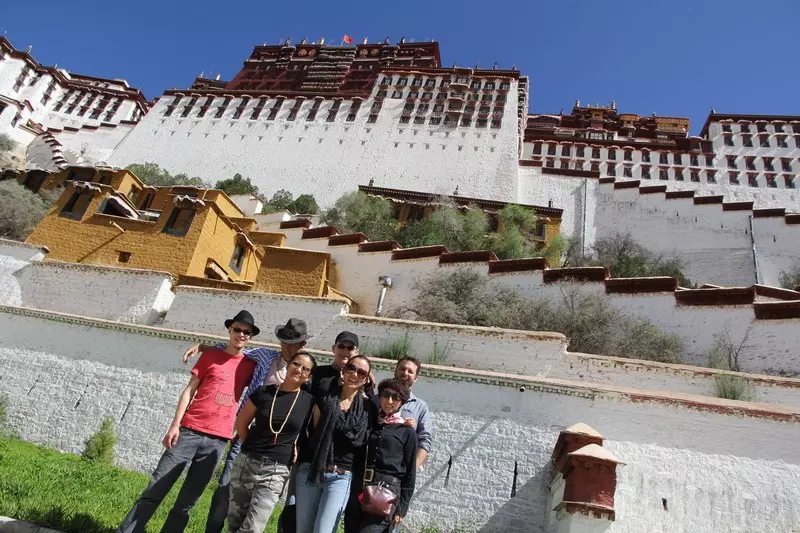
[394,396]
[360,372]
[246,332]
[303,369]
[348,347]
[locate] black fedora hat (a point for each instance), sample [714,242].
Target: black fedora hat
[245,318]
[293,332]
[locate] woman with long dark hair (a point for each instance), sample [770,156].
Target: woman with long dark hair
[341,422]
[261,471]
[388,472]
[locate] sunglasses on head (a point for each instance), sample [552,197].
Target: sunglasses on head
[394,396]
[242,331]
[360,372]
[304,369]
[348,347]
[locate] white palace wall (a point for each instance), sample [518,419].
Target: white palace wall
[715,240]
[721,465]
[329,159]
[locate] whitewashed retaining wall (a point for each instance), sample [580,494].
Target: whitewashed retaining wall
[718,470]
[123,294]
[14,256]
[205,310]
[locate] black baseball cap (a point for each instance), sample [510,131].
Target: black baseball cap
[346,336]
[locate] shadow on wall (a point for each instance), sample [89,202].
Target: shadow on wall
[526,509]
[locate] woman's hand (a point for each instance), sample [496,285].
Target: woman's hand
[410,422]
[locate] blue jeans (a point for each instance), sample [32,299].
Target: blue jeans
[201,453]
[221,498]
[320,506]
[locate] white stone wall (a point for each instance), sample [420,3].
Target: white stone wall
[675,452]
[126,295]
[329,159]
[205,310]
[93,146]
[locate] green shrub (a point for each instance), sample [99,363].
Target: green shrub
[440,353]
[395,349]
[588,320]
[724,355]
[20,210]
[100,446]
[732,388]
[6,143]
[790,279]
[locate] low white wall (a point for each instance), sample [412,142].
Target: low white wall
[126,295]
[205,310]
[722,466]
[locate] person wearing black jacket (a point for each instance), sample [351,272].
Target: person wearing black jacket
[390,459]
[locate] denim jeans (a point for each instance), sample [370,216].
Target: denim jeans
[320,506]
[201,453]
[255,487]
[219,501]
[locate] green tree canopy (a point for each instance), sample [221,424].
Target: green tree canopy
[6,143]
[20,210]
[280,200]
[358,212]
[305,204]
[236,185]
[152,174]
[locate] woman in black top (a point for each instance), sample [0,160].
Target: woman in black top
[390,458]
[262,469]
[341,426]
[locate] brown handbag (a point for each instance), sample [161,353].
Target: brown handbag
[376,498]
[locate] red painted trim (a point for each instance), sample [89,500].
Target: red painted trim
[478,256]
[292,224]
[518,265]
[320,232]
[577,274]
[726,296]
[346,238]
[737,206]
[378,246]
[418,253]
[640,285]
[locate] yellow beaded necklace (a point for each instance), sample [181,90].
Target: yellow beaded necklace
[272,409]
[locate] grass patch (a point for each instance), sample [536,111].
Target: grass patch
[440,353]
[732,388]
[394,349]
[68,493]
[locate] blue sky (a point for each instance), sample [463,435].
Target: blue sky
[676,58]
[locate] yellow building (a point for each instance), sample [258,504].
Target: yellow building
[93,223]
[109,217]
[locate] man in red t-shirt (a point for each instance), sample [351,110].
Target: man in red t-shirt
[200,430]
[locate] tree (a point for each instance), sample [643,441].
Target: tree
[589,320]
[100,446]
[790,279]
[280,200]
[152,174]
[236,185]
[6,143]
[626,258]
[457,230]
[358,212]
[20,210]
[305,204]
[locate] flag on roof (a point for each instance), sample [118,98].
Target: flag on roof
[347,39]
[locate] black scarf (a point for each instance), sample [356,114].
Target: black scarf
[353,423]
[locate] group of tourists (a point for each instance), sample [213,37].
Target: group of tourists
[321,436]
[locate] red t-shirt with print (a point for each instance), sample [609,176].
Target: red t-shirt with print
[223,378]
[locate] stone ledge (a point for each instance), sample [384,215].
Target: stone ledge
[484,377]
[259,295]
[100,268]
[19,244]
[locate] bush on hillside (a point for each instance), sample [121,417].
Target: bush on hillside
[724,355]
[152,174]
[458,229]
[20,210]
[6,143]
[626,258]
[100,446]
[358,212]
[790,279]
[236,185]
[283,200]
[590,322]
